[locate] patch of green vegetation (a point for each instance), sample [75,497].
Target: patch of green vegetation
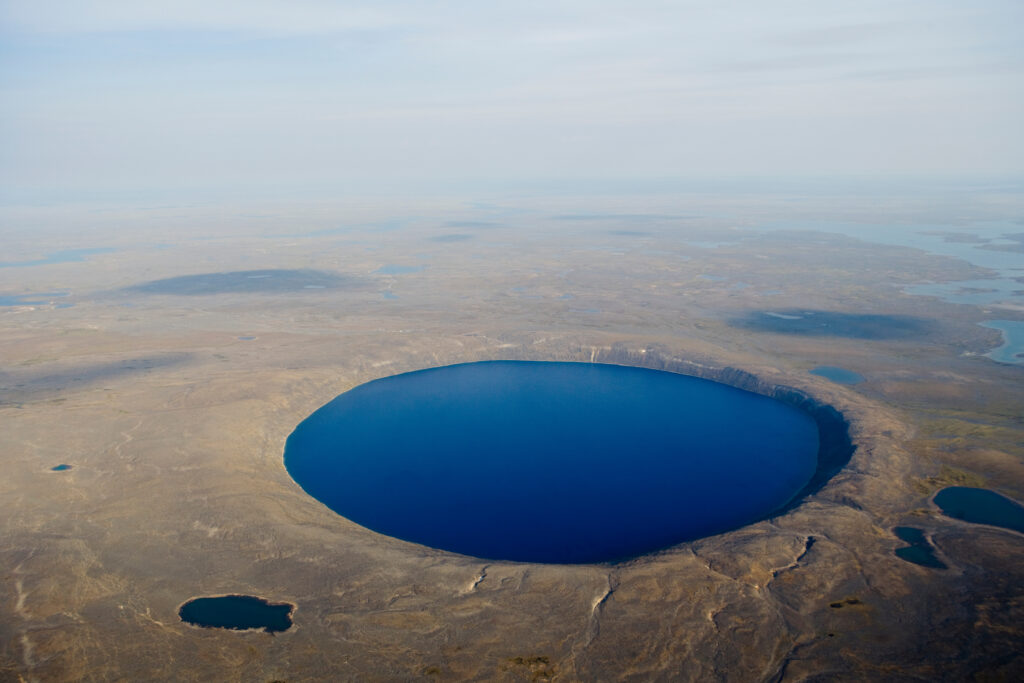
[948,476]
[432,671]
[998,418]
[951,428]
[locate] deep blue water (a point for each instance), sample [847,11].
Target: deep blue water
[552,462]
[837,374]
[981,506]
[237,612]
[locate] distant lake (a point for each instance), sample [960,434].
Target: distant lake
[63,256]
[1012,348]
[934,238]
[396,269]
[979,243]
[976,292]
[552,462]
[838,375]
[835,324]
[41,299]
[266,281]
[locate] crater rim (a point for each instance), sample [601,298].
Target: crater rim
[835,443]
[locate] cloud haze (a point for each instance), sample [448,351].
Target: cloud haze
[111,96]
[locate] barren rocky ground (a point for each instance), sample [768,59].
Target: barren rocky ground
[172,408]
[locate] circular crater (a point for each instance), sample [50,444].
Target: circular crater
[554,462]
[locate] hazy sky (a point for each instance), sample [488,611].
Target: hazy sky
[132,96]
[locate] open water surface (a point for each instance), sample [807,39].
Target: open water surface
[239,612]
[918,551]
[1012,348]
[981,506]
[552,462]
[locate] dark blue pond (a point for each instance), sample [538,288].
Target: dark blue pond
[238,612]
[919,551]
[836,324]
[552,462]
[981,506]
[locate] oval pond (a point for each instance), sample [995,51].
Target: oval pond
[981,506]
[552,462]
[237,612]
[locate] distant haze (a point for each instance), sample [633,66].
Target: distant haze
[120,97]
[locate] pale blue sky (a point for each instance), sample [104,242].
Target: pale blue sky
[120,97]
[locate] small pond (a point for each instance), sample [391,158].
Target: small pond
[238,612]
[981,506]
[919,551]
